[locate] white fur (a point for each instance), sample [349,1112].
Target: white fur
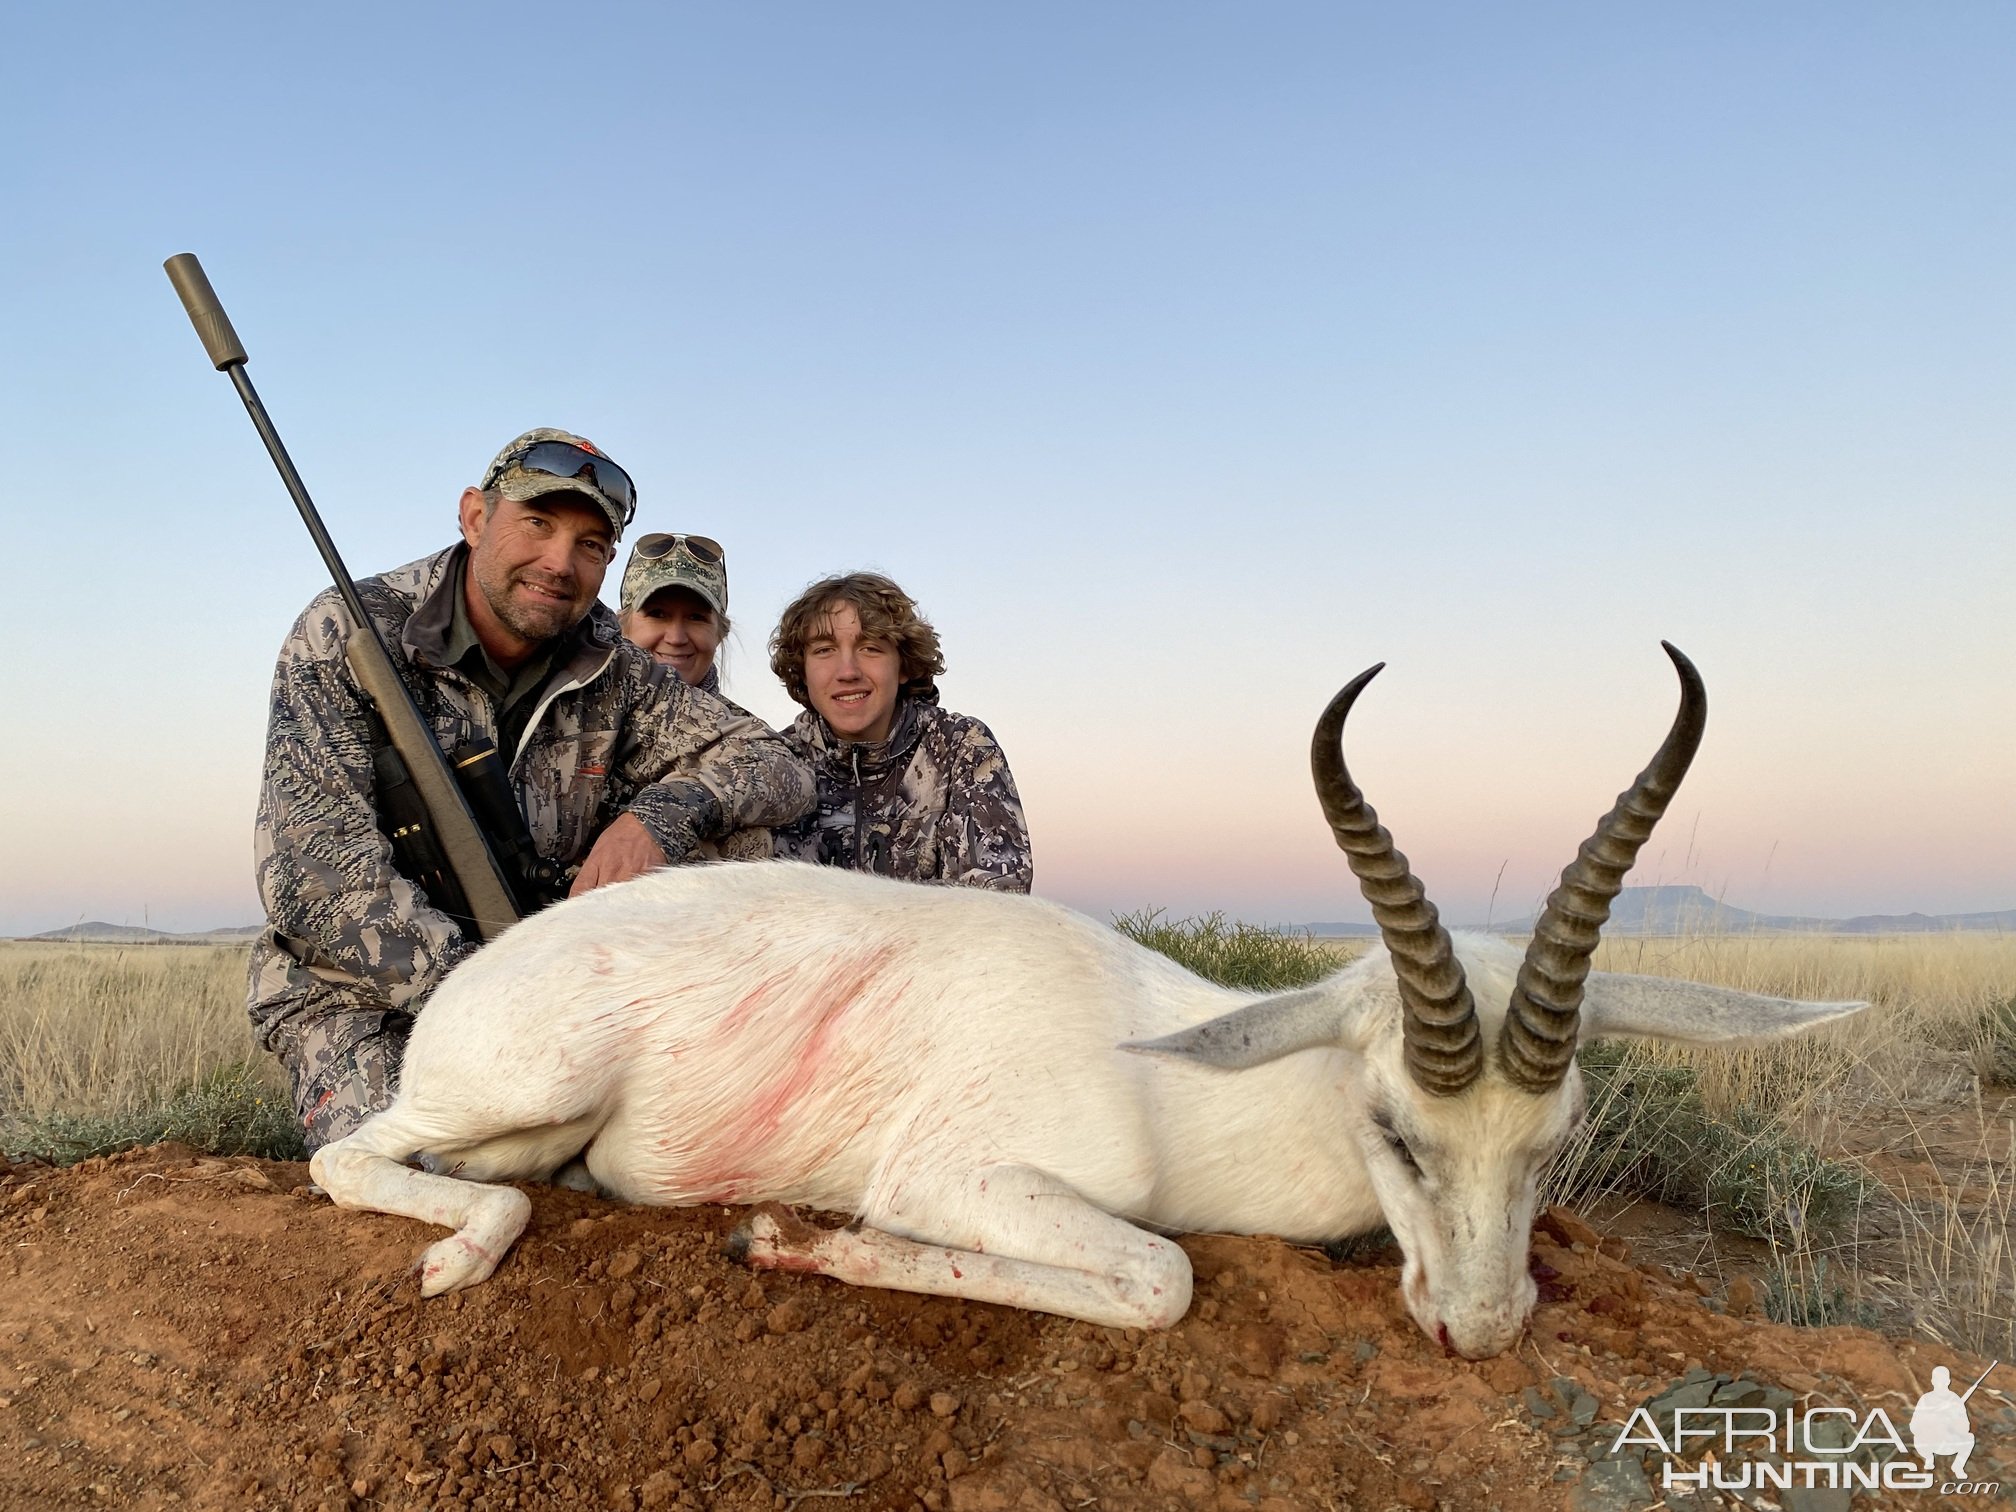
[967,1073]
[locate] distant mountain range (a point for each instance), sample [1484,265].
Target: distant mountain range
[97,933]
[1637,911]
[1689,910]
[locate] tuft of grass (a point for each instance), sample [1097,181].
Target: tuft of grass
[1815,1298]
[232,1110]
[1245,956]
[1995,1045]
[1651,1134]
[1957,1262]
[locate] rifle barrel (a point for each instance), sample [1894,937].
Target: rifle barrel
[1978,1380]
[298,491]
[483,882]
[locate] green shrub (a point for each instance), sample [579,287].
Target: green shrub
[1650,1135]
[230,1111]
[1245,956]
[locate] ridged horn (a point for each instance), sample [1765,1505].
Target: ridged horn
[1444,1049]
[1542,1020]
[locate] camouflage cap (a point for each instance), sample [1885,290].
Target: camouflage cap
[516,483]
[677,568]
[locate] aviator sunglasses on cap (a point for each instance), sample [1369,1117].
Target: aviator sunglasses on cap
[561,459]
[662,543]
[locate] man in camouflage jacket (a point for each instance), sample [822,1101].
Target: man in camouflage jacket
[617,765]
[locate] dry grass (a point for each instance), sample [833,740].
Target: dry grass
[1956,1263]
[112,1031]
[1933,997]
[1896,1092]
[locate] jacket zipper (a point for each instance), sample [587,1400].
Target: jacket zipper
[546,701]
[854,756]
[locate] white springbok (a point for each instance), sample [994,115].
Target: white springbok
[1018,1103]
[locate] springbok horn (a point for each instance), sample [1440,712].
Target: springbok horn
[1546,1008]
[1444,1050]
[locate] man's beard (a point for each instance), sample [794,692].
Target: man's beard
[530,620]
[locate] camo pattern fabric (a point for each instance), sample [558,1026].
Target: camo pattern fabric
[935,802]
[614,732]
[342,1068]
[741,844]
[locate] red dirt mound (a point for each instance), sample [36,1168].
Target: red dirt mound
[178,1331]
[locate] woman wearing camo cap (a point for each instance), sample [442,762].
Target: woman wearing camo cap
[675,604]
[906,789]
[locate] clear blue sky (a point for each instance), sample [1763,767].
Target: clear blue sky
[1181,359]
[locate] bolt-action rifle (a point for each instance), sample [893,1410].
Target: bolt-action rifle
[428,817]
[1978,1380]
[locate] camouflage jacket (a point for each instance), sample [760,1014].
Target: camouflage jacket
[613,732]
[935,802]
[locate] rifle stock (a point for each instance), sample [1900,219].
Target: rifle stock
[474,866]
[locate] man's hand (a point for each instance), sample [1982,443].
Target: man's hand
[622,851]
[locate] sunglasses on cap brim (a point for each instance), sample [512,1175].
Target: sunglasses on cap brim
[662,543]
[562,459]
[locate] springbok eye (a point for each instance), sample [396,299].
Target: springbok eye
[1397,1145]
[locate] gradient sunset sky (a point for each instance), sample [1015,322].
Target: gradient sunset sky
[1182,360]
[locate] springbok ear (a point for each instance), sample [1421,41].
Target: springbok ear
[1253,1035]
[1617,1006]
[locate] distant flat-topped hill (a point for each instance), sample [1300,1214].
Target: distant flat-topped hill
[98,933]
[1689,910]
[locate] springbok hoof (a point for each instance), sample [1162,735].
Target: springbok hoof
[453,1263]
[773,1237]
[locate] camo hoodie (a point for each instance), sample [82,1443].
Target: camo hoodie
[935,802]
[613,731]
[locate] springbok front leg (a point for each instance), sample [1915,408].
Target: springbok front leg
[366,1171]
[1020,1237]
